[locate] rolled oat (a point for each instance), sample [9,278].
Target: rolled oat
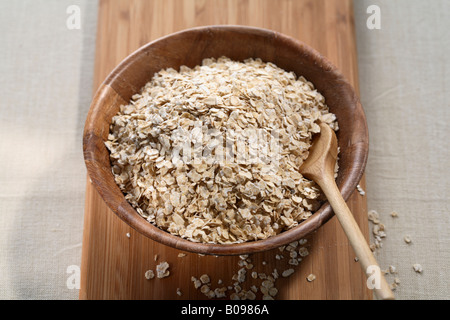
[212,154]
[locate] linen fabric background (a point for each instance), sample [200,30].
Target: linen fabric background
[46,75]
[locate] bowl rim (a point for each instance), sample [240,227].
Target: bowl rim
[130,216]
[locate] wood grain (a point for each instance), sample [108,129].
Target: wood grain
[113,265]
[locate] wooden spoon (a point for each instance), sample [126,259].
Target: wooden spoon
[319,167]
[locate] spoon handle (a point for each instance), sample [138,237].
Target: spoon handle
[357,240]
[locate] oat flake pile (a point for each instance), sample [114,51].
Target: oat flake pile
[212,154]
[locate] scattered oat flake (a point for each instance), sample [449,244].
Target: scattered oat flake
[205,289]
[360,190]
[149,274]
[211,294]
[275,274]
[293,262]
[394,214]
[302,241]
[179,293]
[311,277]
[162,270]
[273,291]
[407,239]
[241,275]
[287,273]
[417,268]
[234,296]
[267,283]
[303,252]
[250,295]
[128,235]
[181,255]
[220,292]
[262,276]
[374,216]
[197,282]
[204,278]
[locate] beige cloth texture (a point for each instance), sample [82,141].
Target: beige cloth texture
[45,91]
[404,72]
[46,87]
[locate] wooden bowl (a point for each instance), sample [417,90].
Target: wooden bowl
[189,48]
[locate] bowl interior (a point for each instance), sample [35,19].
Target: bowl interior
[189,48]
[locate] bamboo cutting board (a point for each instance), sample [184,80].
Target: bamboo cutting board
[115,257]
